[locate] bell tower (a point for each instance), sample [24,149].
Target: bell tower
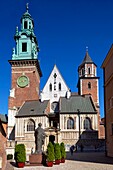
[88,83]
[25,69]
[88,80]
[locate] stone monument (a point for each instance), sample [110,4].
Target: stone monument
[39,138]
[36,157]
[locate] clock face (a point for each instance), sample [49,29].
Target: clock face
[22,81]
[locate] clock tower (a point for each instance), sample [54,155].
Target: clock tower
[26,70]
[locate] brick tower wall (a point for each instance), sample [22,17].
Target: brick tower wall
[30,92]
[94,88]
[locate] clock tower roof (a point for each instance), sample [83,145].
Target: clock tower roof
[27,14]
[26,41]
[87,59]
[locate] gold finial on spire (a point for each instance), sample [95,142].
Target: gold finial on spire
[16,29]
[27,7]
[86,48]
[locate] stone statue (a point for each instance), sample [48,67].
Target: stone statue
[39,138]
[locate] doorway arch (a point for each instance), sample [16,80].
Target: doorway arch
[52,139]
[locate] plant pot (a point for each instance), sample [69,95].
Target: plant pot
[62,160]
[21,164]
[57,162]
[49,164]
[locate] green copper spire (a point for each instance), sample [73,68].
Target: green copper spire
[26,42]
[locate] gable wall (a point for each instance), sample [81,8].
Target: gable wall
[54,95]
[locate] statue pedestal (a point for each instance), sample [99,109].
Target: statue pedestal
[35,159]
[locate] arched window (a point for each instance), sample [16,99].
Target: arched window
[89,70]
[29,25]
[55,106]
[82,71]
[87,123]
[59,86]
[89,85]
[50,87]
[30,125]
[24,47]
[70,123]
[25,24]
[54,87]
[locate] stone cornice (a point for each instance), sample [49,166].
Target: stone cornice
[29,62]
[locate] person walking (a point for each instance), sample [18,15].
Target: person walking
[72,149]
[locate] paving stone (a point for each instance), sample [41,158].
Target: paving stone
[79,161]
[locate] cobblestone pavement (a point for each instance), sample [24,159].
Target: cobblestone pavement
[78,161]
[9,166]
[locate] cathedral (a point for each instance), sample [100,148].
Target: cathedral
[72,118]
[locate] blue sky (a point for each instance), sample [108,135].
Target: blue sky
[63,28]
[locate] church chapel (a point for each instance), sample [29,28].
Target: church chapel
[72,118]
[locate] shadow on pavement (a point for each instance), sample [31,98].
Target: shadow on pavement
[95,157]
[13,164]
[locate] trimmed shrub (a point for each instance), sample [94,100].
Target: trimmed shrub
[50,152]
[62,150]
[57,151]
[20,153]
